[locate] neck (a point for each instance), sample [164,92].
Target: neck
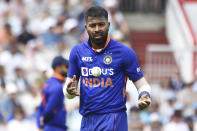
[58,76]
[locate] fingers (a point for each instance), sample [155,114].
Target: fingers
[42,121]
[74,78]
[144,103]
[71,87]
[73,91]
[69,84]
[72,82]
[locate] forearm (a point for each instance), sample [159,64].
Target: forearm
[142,86]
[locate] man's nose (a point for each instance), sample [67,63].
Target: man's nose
[97,28]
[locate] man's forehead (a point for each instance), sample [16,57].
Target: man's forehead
[96,19]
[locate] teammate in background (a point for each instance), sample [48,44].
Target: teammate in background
[103,65]
[51,114]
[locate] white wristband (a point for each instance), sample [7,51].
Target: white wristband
[146,88]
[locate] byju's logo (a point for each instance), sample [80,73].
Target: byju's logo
[104,71]
[84,71]
[87,59]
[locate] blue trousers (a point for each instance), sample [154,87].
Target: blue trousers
[52,128]
[105,122]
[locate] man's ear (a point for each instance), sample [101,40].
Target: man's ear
[109,24]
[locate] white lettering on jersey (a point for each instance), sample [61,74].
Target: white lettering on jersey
[87,59]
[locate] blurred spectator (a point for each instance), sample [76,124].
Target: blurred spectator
[177,123]
[134,122]
[25,36]
[75,7]
[194,86]
[11,59]
[194,106]
[2,88]
[176,82]
[4,7]
[34,8]
[17,8]
[50,38]
[42,23]
[16,16]
[19,121]
[155,123]
[9,101]
[6,36]
[55,7]
[194,117]
[187,95]
[72,36]
[163,89]
[30,100]
[120,37]
[2,78]
[154,107]
[116,18]
[167,106]
[190,123]
[20,79]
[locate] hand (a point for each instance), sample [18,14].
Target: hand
[144,102]
[71,87]
[42,121]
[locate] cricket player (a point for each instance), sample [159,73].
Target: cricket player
[51,114]
[103,65]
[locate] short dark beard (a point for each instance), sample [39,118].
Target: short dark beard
[99,42]
[64,74]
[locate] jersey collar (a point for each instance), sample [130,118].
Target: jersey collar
[106,44]
[58,76]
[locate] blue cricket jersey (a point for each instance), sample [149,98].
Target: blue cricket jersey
[52,106]
[105,93]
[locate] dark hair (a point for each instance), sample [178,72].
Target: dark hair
[59,60]
[96,11]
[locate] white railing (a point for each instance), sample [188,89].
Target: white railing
[180,38]
[160,63]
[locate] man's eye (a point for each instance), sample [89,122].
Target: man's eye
[101,24]
[92,25]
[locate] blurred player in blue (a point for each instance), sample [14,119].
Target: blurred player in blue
[51,114]
[102,65]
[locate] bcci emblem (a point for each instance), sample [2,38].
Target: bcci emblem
[107,60]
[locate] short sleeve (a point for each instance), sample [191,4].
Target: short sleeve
[132,68]
[73,64]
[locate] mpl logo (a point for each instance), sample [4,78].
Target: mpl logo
[86,71]
[87,59]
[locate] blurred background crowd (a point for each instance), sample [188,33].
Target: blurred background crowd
[33,32]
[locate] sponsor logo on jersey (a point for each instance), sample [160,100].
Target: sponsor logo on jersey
[138,69]
[104,71]
[97,81]
[87,59]
[84,71]
[107,59]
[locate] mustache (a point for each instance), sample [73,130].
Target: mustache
[100,33]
